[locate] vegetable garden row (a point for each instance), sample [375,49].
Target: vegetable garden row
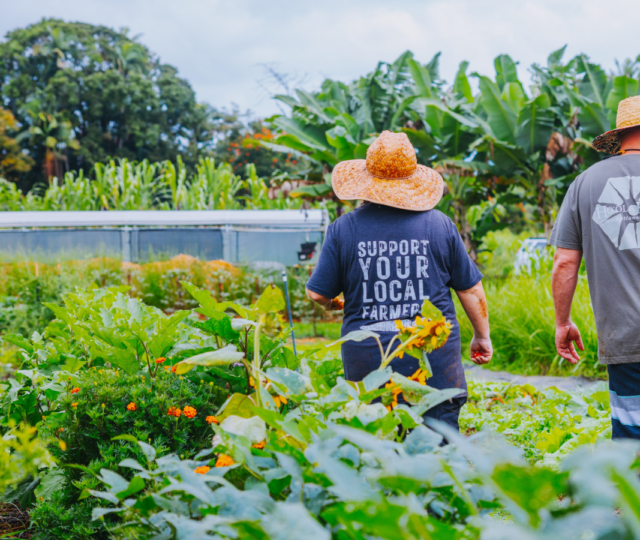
[202,423]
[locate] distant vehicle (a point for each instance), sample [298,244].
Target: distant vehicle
[530,250]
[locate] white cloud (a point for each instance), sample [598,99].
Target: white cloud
[219,45]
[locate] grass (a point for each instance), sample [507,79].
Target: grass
[522,321]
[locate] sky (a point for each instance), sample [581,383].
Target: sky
[225,47]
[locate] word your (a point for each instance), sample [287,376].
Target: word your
[393,272]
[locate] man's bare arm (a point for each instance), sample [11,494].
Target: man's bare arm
[564,279]
[474,303]
[328,304]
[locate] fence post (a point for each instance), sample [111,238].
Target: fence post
[126,244]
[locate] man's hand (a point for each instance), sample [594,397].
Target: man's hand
[566,334]
[337,304]
[481,350]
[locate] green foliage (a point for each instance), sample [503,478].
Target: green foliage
[87,93]
[522,329]
[547,425]
[22,455]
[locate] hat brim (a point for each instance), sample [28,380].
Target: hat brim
[421,191]
[609,142]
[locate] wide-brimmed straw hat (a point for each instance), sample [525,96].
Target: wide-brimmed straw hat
[628,117]
[390,176]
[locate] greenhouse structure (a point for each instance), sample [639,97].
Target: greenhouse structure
[237,236]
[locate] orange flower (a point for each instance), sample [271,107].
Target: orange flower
[202,470]
[173,369]
[131,406]
[419,377]
[260,445]
[75,390]
[74,405]
[189,412]
[174,411]
[160,360]
[280,400]
[224,461]
[212,420]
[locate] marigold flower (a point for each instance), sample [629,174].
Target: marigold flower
[260,445]
[224,461]
[202,470]
[160,360]
[173,369]
[252,383]
[74,405]
[280,400]
[189,412]
[131,406]
[74,390]
[174,411]
[212,420]
[419,376]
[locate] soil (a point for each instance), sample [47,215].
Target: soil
[14,522]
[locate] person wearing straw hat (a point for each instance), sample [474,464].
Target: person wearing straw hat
[390,254]
[599,220]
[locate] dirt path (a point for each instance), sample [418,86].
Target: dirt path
[477,373]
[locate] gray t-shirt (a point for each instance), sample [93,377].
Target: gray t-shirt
[601,216]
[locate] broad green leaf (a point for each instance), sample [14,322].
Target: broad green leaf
[252,428]
[623,88]
[73,365]
[501,116]
[307,134]
[209,305]
[293,381]
[377,378]
[226,355]
[238,405]
[535,124]
[430,400]
[137,484]
[356,335]
[461,84]
[20,342]
[270,301]
[506,71]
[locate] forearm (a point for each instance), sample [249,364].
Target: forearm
[474,303]
[564,279]
[326,303]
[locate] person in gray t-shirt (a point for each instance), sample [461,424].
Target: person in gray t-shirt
[600,220]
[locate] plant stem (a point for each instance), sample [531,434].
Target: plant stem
[256,363]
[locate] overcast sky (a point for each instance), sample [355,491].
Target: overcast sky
[221,46]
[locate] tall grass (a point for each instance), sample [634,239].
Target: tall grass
[523,327]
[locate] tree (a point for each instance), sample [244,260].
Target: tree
[84,94]
[12,160]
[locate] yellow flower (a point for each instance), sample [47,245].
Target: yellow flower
[224,461]
[280,400]
[74,405]
[259,445]
[62,444]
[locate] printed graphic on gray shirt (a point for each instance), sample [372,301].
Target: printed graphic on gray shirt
[618,213]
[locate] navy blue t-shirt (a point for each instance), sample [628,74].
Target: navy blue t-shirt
[386,261]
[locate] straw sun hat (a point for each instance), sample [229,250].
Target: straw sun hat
[390,176]
[628,117]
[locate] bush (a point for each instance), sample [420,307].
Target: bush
[87,422]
